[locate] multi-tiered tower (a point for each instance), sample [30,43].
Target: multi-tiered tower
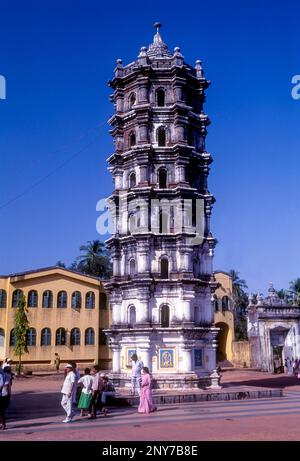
[162,283]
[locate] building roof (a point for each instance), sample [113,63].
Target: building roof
[222,272]
[273,300]
[50,268]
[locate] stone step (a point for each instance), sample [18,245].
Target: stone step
[199,395]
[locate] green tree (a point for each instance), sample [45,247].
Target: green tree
[95,260]
[238,285]
[20,331]
[295,289]
[240,303]
[281,293]
[60,264]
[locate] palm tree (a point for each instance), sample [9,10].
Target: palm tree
[238,285]
[60,264]
[295,289]
[281,293]
[240,302]
[96,260]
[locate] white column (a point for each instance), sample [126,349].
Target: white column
[186,310]
[142,261]
[142,312]
[186,364]
[116,266]
[116,313]
[144,217]
[146,358]
[119,105]
[116,358]
[184,263]
[210,356]
[118,180]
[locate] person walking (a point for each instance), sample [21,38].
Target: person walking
[86,393]
[146,401]
[97,387]
[136,374]
[295,366]
[108,391]
[57,362]
[5,393]
[288,366]
[68,393]
[77,378]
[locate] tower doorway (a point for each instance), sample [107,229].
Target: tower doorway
[278,339]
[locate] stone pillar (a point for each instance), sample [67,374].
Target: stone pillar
[180,173]
[143,131]
[143,94]
[116,314]
[211,355]
[178,93]
[146,358]
[118,179]
[144,217]
[144,174]
[116,265]
[186,310]
[185,264]
[115,304]
[119,104]
[143,262]
[116,349]
[186,365]
[143,311]
[184,261]
[179,133]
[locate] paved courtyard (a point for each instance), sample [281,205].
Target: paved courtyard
[35,414]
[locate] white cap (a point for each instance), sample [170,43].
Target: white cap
[69,366]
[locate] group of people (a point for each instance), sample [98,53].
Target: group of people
[292,366]
[6,377]
[96,387]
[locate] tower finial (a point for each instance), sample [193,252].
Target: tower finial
[158,47]
[157,26]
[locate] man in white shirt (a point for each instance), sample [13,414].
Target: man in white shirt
[7,363]
[77,378]
[68,393]
[136,374]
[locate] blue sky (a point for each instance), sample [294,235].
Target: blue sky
[57,57]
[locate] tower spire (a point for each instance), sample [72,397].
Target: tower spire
[157,26]
[158,47]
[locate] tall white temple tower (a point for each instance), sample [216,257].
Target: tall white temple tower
[162,248]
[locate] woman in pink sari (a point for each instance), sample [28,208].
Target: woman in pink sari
[146,402]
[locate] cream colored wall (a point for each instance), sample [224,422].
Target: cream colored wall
[241,353]
[58,280]
[4,285]
[227,316]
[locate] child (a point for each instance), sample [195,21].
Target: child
[86,393]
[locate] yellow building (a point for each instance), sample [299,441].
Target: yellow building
[68,311]
[224,316]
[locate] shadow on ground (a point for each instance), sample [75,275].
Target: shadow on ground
[278,382]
